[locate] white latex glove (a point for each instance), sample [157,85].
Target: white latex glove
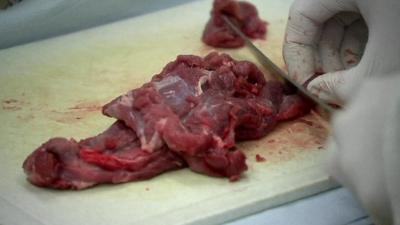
[319,39]
[364,152]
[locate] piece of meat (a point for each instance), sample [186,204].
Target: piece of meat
[218,34]
[111,157]
[292,106]
[191,114]
[260,158]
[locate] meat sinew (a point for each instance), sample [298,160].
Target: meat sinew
[191,114]
[218,34]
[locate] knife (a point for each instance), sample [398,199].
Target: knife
[274,69]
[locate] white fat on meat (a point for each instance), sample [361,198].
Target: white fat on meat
[174,89]
[204,79]
[127,99]
[169,94]
[155,140]
[168,81]
[138,125]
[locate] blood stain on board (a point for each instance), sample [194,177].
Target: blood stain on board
[307,133]
[9,101]
[260,158]
[234,178]
[11,105]
[292,138]
[77,112]
[86,107]
[25,118]
[308,122]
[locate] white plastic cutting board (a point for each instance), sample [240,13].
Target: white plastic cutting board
[56,88]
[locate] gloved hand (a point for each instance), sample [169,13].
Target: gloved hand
[318,39]
[364,151]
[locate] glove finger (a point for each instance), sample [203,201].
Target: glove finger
[337,150]
[306,18]
[391,154]
[336,87]
[354,41]
[300,61]
[331,40]
[317,63]
[332,161]
[359,130]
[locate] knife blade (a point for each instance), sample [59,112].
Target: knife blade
[274,69]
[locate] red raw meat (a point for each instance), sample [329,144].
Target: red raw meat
[218,34]
[67,164]
[191,114]
[260,158]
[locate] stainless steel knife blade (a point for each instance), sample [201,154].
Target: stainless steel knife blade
[275,70]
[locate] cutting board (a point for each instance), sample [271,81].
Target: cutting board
[56,87]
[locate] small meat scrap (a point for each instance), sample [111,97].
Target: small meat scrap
[218,34]
[189,115]
[260,158]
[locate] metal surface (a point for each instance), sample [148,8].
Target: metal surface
[275,70]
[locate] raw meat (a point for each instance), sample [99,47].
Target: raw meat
[218,34]
[191,114]
[114,156]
